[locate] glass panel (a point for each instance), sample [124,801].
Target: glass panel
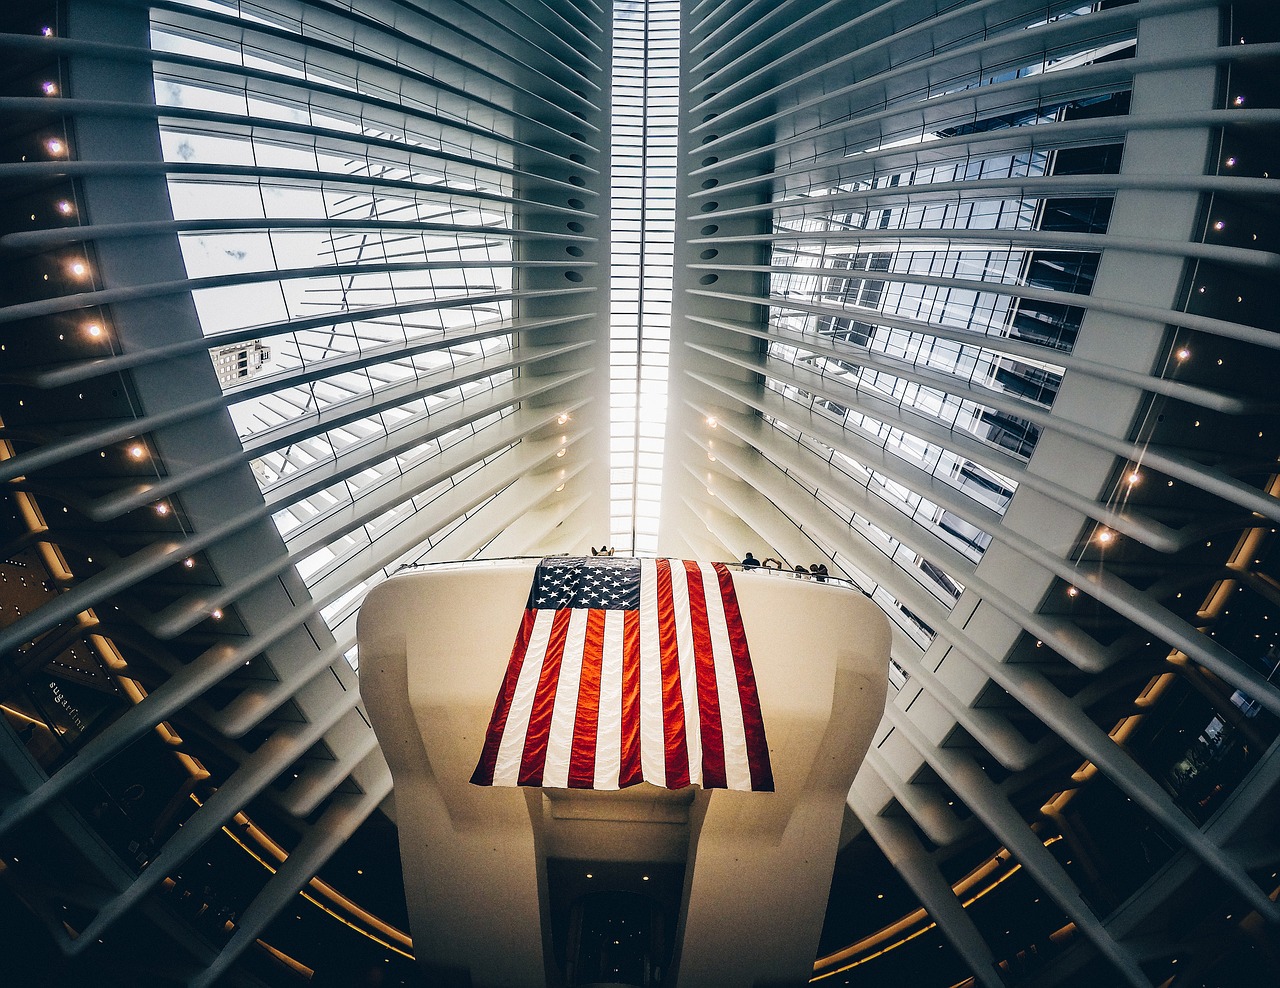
[645,104]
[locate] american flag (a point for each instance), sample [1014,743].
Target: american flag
[627,671]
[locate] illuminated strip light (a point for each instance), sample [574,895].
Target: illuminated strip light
[324,888]
[883,950]
[1000,857]
[286,960]
[346,922]
[115,663]
[1214,604]
[103,647]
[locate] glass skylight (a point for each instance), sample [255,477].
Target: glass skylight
[646,76]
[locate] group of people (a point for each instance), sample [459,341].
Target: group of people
[815,571]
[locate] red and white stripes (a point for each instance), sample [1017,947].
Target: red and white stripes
[601,698]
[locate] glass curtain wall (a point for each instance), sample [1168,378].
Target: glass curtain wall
[348,231]
[894,308]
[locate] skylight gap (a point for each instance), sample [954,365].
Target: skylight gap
[646,74]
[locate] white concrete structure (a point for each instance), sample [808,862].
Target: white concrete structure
[757,866]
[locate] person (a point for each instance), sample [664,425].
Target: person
[750,562]
[772,563]
[819,572]
[801,572]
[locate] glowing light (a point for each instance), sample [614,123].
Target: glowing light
[136,452]
[54,146]
[79,269]
[162,508]
[1183,353]
[1219,225]
[711,421]
[1106,536]
[1134,478]
[560,488]
[48,33]
[1073,592]
[63,206]
[1238,101]
[216,614]
[559,452]
[49,88]
[1231,162]
[564,417]
[93,329]
[189,563]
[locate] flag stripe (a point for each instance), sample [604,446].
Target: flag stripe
[609,715]
[653,758]
[483,775]
[687,647]
[710,735]
[737,772]
[535,739]
[748,700]
[506,771]
[560,736]
[629,773]
[676,740]
[582,762]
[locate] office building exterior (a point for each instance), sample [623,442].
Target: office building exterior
[234,363]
